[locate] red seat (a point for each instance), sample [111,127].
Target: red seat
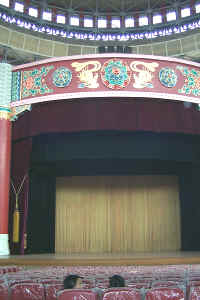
[27,291]
[51,290]
[165,293]
[121,294]
[3,291]
[77,294]
[194,293]
[192,284]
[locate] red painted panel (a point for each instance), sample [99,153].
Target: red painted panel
[109,114]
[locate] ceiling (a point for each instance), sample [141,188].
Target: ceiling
[17,57]
[109,6]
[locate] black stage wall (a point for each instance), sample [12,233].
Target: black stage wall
[111,153]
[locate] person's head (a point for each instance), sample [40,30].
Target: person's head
[72,282]
[116,281]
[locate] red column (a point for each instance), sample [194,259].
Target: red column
[122,21]
[192,6]
[54,15]
[95,21]
[164,14]
[5,157]
[26,6]
[81,18]
[109,21]
[136,18]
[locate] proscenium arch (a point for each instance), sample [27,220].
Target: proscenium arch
[117,94]
[142,76]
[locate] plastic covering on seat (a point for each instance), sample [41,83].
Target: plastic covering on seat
[51,290]
[194,278]
[77,294]
[27,291]
[9,269]
[194,293]
[101,282]
[138,285]
[21,281]
[121,294]
[4,291]
[50,281]
[166,283]
[165,293]
[192,283]
[88,283]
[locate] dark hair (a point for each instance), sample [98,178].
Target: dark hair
[70,281]
[116,281]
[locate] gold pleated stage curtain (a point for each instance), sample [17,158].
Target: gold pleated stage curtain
[117,214]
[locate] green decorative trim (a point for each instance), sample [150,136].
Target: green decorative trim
[5,83]
[16,86]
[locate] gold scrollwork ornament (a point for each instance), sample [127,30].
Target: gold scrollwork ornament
[87,75]
[143,73]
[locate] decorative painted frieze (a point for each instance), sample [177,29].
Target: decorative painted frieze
[106,76]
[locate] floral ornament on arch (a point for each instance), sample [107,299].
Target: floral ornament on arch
[115,74]
[34,82]
[168,77]
[62,77]
[191,81]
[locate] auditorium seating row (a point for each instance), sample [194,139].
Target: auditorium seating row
[38,291]
[149,283]
[9,269]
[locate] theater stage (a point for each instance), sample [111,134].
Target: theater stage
[134,259]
